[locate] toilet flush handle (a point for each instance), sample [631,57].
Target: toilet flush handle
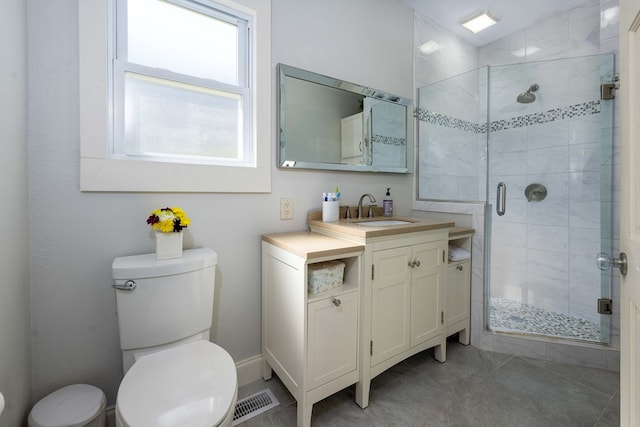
[128,285]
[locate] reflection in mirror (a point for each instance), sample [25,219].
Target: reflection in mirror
[327,123]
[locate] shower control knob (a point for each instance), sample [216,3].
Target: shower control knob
[604,262]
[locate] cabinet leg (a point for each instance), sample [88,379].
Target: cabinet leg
[266,371]
[362,393]
[463,336]
[440,352]
[304,415]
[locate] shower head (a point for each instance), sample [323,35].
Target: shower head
[528,96]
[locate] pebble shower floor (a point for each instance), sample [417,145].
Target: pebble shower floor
[511,316]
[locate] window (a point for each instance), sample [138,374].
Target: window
[181,98]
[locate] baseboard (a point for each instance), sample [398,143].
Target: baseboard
[248,370]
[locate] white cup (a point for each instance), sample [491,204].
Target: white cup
[330,211]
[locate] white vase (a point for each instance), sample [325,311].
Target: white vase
[168,245]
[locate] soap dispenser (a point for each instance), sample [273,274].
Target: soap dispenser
[387,203]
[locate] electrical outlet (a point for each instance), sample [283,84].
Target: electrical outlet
[286,208]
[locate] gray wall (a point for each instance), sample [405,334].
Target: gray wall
[75,235]
[15,353]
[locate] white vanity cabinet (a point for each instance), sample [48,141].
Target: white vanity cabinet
[406,298]
[402,294]
[458,290]
[309,340]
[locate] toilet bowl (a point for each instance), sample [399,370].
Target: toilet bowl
[193,385]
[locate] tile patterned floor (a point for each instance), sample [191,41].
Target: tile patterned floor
[511,316]
[473,388]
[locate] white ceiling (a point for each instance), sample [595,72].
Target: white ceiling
[514,14]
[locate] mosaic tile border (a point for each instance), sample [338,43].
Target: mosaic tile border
[449,122]
[388,140]
[560,113]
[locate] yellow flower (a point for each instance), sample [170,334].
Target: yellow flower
[168,220]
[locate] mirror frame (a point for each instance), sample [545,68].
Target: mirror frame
[287,71]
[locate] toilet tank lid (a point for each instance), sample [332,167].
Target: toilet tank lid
[146,265]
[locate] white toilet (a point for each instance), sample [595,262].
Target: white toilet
[174,376]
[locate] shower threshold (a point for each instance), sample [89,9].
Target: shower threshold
[511,316]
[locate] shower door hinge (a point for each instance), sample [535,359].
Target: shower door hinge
[608,91]
[605,306]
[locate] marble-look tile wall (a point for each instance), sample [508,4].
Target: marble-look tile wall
[543,251]
[590,29]
[453,138]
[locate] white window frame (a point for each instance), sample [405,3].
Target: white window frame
[100,171]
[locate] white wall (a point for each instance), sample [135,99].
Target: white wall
[75,235]
[15,354]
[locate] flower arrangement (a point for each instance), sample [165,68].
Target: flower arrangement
[168,220]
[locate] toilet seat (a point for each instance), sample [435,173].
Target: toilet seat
[194,384]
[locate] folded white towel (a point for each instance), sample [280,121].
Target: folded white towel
[458,254]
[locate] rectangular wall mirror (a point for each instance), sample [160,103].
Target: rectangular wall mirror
[326,123]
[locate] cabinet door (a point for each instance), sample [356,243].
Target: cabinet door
[352,138]
[426,292]
[458,292]
[390,315]
[333,338]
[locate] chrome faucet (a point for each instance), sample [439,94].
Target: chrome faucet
[371,200]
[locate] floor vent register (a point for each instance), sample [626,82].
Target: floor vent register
[254,405]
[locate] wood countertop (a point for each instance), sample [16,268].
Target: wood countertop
[310,245]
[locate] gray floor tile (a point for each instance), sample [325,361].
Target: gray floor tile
[473,388]
[600,379]
[521,393]
[611,416]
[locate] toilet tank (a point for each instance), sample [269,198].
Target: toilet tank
[172,299]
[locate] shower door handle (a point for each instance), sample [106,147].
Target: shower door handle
[501,198]
[604,262]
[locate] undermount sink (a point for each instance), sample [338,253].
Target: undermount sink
[384,222]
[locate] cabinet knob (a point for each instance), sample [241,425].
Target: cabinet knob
[410,264]
[336,302]
[416,263]
[459,268]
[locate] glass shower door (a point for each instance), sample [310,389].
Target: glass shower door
[550,152]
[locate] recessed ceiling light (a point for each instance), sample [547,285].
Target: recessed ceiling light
[478,23]
[430,47]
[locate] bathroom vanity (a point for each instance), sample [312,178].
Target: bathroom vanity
[399,296]
[402,295]
[310,339]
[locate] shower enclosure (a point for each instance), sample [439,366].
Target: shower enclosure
[533,142]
